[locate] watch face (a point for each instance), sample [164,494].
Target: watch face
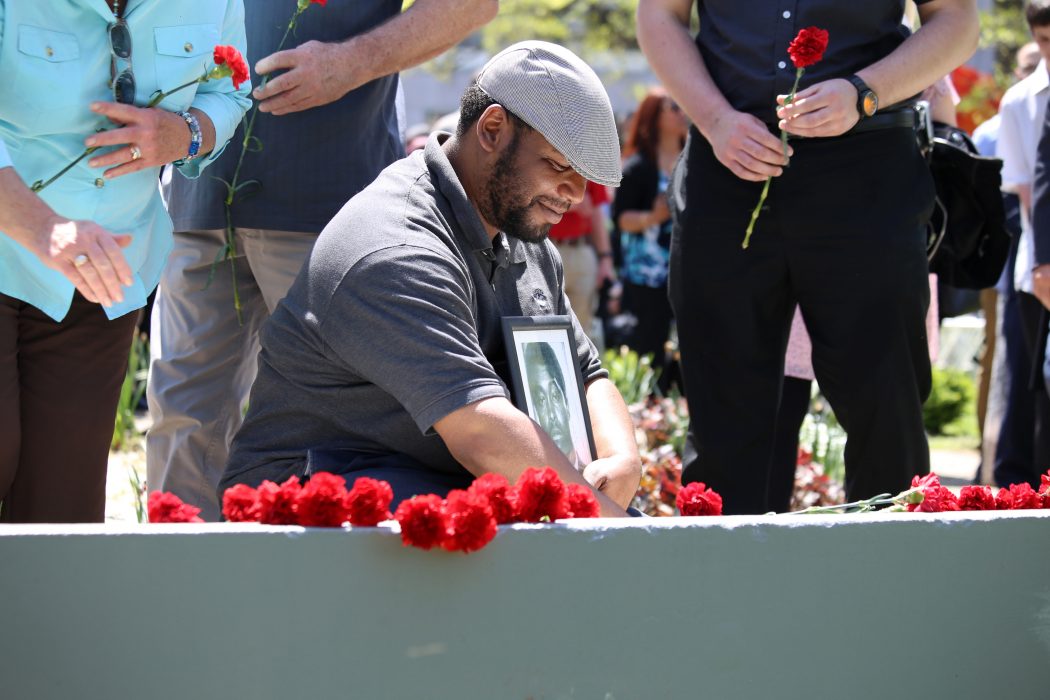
[871,103]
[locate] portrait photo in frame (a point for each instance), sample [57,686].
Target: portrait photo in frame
[547,383]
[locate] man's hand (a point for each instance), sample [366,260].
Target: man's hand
[318,73]
[617,477]
[1041,284]
[99,278]
[825,109]
[743,144]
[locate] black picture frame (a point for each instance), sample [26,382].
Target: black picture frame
[556,333]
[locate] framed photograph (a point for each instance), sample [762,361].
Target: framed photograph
[547,382]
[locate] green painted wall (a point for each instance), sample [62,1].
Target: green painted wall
[857,607]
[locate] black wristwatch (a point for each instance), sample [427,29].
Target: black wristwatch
[867,100]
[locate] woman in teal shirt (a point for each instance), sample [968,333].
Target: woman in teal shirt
[79,258]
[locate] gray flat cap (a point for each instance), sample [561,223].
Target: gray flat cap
[552,90]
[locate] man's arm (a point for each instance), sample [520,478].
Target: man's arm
[948,36]
[618,468]
[740,141]
[599,238]
[319,73]
[492,435]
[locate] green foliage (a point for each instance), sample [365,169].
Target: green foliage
[1005,30]
[823,437]
[596,25]
[950,408]
[131,392]
[634,376]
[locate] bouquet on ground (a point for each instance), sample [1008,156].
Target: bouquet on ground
[927,495]
[465,520]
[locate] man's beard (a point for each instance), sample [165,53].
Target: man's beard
[506,209]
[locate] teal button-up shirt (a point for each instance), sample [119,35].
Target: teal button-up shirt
[55,61]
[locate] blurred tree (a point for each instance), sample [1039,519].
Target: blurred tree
[1004,29]
[591,26]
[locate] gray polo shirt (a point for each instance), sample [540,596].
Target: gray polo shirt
[394,323]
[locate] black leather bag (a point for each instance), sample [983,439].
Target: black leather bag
[968,242]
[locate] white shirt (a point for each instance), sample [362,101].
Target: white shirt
[1022,110]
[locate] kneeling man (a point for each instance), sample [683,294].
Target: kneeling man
[386,359]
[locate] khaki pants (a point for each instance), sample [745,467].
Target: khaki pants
[581,280]
[203,361]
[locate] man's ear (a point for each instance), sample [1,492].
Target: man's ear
[493,128]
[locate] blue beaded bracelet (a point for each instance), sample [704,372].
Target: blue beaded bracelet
[195,137]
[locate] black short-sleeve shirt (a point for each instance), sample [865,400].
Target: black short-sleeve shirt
[744,44]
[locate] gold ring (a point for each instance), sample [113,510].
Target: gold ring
[80,260]
[135,153]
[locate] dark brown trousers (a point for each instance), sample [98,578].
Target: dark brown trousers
[59,387]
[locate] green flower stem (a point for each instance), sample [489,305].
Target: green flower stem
[161,96]
[755,212]
[230,248]
[38,185]
[784,145]
[895,503]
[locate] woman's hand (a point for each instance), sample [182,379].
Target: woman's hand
[159,136]
[99,274]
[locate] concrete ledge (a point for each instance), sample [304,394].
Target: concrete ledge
[952,605]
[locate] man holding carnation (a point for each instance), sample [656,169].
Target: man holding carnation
[841,233]
[386,358]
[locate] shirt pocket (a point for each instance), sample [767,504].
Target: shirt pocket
[48,69]
[183,52]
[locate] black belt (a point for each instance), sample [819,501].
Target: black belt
[903,118]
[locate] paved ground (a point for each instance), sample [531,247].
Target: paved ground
[956,468]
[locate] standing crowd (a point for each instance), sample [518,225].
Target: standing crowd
[366,339]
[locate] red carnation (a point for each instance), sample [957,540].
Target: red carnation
[166,507]
[240,504]
[976,498]
[1025,497]
[320,502]
[541,494]
[423,521]
[582,501]
[277,503]
[808,47]
[469,524]
[229,56]
[923,482]
[697,499]
[319,2]
[368,502]
[1004,500]
[936,499]
[502,497]
[1044,484]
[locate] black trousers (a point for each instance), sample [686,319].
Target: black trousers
[653,311]
[843,236]
[59,387]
